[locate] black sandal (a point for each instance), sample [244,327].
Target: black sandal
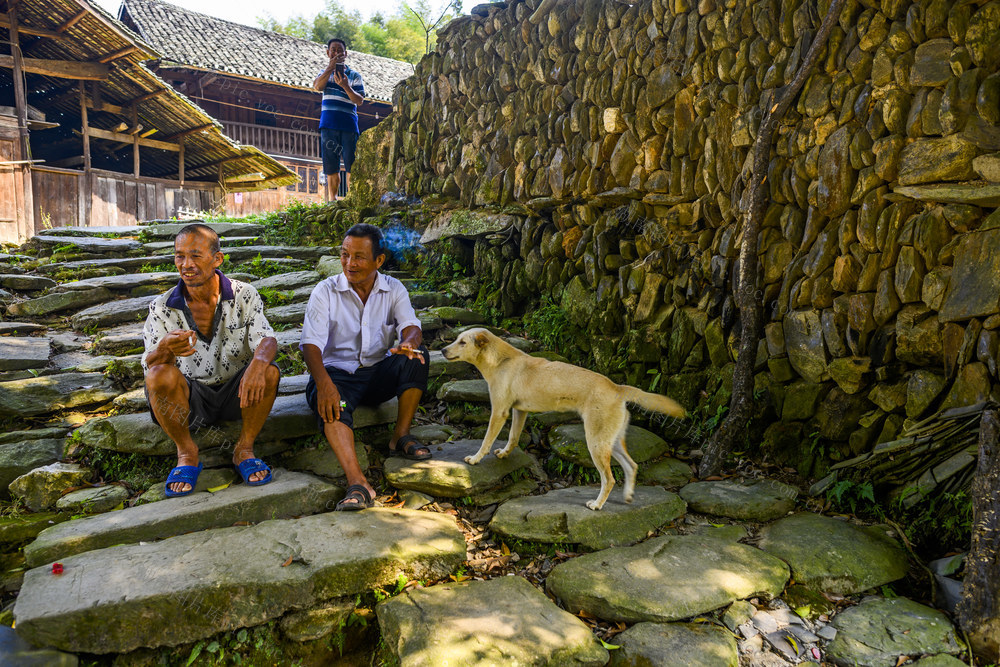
[358,493]
[408,447]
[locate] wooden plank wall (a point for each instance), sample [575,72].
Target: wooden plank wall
[265,201]
[116,199]
[14,220]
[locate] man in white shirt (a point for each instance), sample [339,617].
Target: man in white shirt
[351,323]
[209,358]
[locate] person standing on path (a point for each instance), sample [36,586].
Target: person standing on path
[343,90]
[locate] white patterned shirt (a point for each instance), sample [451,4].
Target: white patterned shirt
[351,334]
[238,328]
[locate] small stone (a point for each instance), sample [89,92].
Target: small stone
[94,500]
[930,160]
[569,442]
[42,487]
[689,644]
[312,624]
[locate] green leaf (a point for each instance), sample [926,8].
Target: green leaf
[791,640]
[213,647]
[241,636]
[610,647]
[195,652]
[803,611]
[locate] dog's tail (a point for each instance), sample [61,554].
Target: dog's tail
[654,402]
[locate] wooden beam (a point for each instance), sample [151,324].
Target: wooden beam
[72,22]
[121,53]
[101,105]
[63,69]
[180,162]
[127,139]
[193,130]
[86,192]
[135,143]
[29,30]
[245,178]
[20,95]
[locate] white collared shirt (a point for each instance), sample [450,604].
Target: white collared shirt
[352,334]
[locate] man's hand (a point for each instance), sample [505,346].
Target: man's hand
[179,342]
[328,400]
[341,80]
[253,383]
[409,350]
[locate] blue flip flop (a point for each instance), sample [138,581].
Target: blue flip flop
[249,467]
[182,475]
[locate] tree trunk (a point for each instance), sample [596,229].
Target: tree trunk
[979,610]
[748,298]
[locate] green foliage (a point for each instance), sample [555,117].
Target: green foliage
[407,34]
[849,495]
[138,471]
[938,519]
[275,297]
[577,474]
[549,324]
[154,268]
[122,372]
[290,363]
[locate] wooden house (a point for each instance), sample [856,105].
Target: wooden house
[89,135]
[258,84]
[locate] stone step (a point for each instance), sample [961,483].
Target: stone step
[430,299]
[21,353]
[569,443]
[113,312]
[196,585]
[126,263]
[290,418]
[562,516]
[502,621]
[54,303]
[136,399]
[19,458]
[453,369]
[125,281]
[288,281]
[760,500]
[43,395]
[166,248]
[94,244]
[161,230]
[667,578]
[451,314]
[473,391]
[247,253]
[293,313]
[20,328]
[288,494]
[447,474]
[25,282]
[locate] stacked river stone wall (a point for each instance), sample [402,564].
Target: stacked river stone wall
[615,142]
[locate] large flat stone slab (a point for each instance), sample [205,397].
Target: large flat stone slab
[688,644]
[290,418]
[474,391]
[191,586]
[293,313]
[953,193]
[88,243]
[51,393]
[57,302]
[20,353]
[22,328]
[751,500]
[466,225]
[455,369]
[25,282]
[288,494]
[569,443]
[169,230]
[666,578]
[447,474]
[503,621]
[249,252]
[832,555]
[880,630]
[126,263]
[288,281]
[123,282]
[113,312]
[561,516]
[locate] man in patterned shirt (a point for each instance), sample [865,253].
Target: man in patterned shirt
[343,90]
[209,358]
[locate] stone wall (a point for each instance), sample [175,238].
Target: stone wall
[614,141]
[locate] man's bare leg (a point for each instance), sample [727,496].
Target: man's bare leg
[332,186]
[253,421]
[341,439]
[170,401]
[408,402]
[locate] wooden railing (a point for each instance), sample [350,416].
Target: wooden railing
[275,140]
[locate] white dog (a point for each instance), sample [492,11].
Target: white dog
[520,383]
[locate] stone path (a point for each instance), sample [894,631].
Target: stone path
[645,576]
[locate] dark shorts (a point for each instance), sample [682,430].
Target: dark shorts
[373,385]
[210,404]
[334,145]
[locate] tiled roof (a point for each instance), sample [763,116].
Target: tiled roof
[205,42]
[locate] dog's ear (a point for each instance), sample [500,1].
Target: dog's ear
[481,339]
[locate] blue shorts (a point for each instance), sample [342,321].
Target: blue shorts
[334,145]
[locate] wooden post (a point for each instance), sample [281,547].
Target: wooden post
[180,161]
[979,610]
[26,215]
[85,187]
[135,145]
